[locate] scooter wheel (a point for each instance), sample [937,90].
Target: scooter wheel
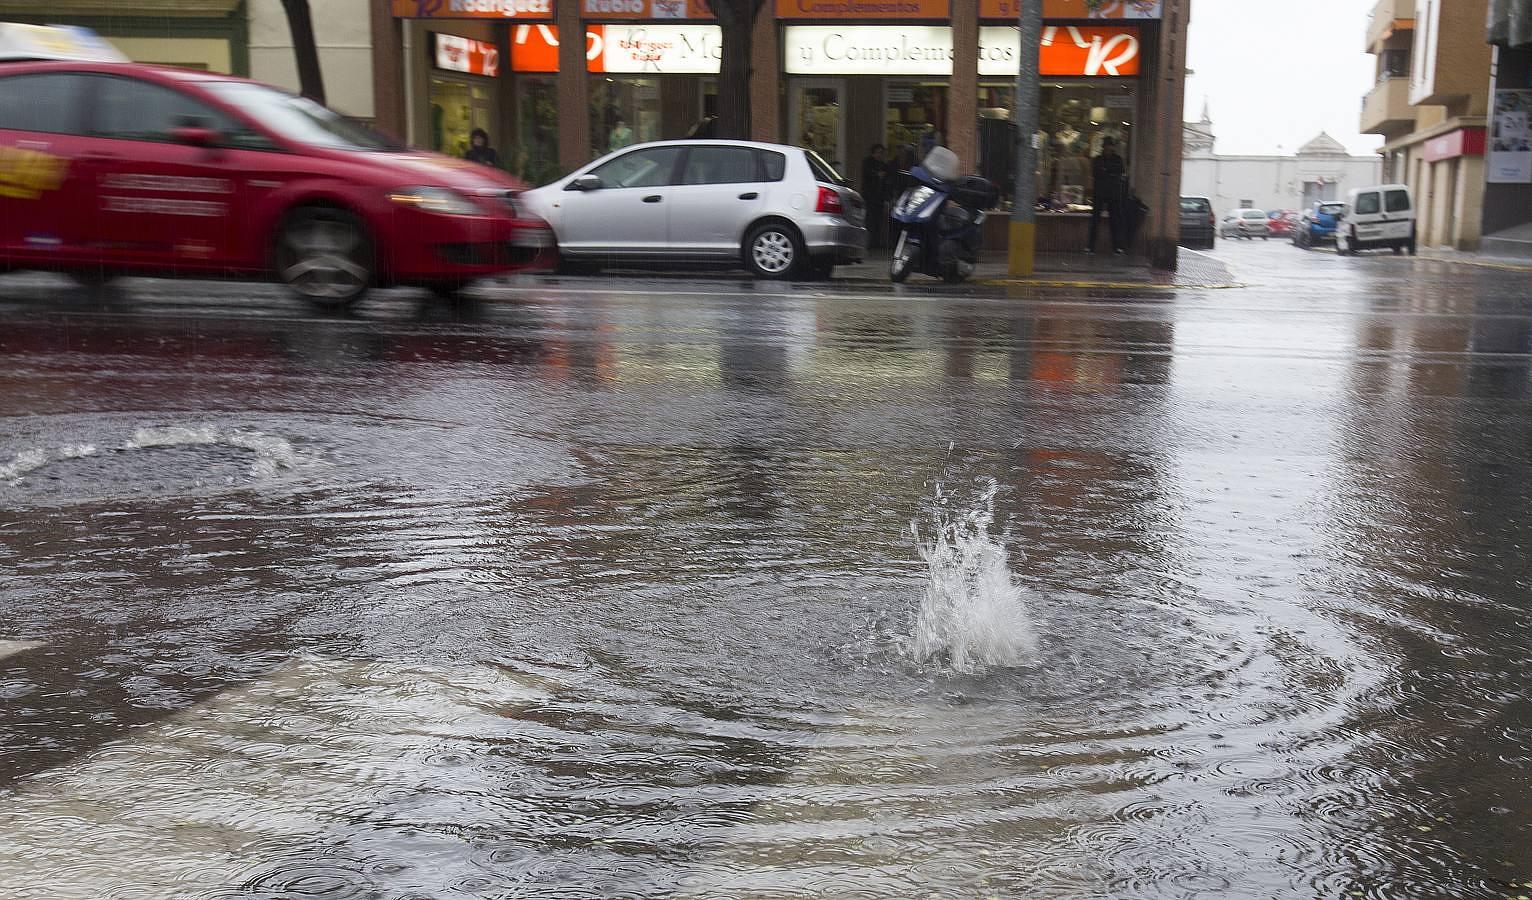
[903,260]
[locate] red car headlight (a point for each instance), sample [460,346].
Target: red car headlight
[442,201]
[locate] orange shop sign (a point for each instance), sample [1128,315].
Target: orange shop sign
[624,49]
[1076,9]
[499,10]
[1067,50]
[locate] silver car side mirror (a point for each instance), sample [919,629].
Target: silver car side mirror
[585,183]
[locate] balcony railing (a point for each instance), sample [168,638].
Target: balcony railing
[1386,108]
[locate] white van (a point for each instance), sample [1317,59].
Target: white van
[1378,216]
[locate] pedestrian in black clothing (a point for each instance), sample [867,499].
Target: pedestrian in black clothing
[1109,194]
[479,150]
[875,192]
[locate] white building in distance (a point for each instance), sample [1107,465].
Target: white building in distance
[1321,170]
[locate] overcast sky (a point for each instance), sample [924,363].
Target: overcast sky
[1278,72]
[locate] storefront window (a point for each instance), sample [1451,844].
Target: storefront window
[536,155]
[817,124]
[915,115]
[623,111]
[1074,118]
[457,108]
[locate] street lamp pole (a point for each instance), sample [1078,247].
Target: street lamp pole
[1023,244]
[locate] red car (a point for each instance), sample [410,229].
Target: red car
[113,168]
[1281,222]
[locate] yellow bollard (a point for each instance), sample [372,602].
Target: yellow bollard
[1023,251]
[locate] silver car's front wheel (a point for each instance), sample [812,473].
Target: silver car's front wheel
[773,251]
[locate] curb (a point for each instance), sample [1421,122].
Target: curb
[1481,263]
[1504,266]
[1068,283]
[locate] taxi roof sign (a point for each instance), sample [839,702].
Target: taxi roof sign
[66,42]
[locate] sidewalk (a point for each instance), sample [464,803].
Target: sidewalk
[1102,270]
[1462,258]
[1478,258]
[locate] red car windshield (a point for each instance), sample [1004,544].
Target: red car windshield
[298,118]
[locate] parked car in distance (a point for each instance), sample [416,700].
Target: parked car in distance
[108,167]
[1245,223]
[1198,223]
[1377,217]
[775,210]
[1280,222]
[1317,225]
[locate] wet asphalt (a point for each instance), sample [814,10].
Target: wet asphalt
[614,587]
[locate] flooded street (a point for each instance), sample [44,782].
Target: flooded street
[697,588]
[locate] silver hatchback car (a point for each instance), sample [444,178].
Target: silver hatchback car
[780,211]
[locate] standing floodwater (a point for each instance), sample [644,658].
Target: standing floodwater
[973,614]
[604,588]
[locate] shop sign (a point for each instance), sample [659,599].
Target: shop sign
[1462,142]
[659,49]
[535,48]
[1509,160]
[864,9]
[1067,50]
[460,54]
[624,49]
[646,9]
[1076,9]
[521,10]
[867,50]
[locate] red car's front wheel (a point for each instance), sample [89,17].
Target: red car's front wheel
[324,256]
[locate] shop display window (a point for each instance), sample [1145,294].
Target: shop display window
[914,115]
[1074,118]
[623,111]
[817,118]
[457,108]
[535,158]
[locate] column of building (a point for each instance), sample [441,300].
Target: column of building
[1429,104]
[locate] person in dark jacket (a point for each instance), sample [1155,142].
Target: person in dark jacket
[1109,195]
[479,150]
[875,191]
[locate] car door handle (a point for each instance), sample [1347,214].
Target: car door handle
[652,198]
[749,195]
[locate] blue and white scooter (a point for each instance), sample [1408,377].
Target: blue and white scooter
[940,220]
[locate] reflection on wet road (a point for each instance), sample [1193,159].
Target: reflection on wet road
[598,588]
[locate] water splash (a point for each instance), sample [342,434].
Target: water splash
[974,614]
[25,461]
[270,454]
[171,436]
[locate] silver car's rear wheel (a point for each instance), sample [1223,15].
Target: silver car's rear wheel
[324,256]
[773,251]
